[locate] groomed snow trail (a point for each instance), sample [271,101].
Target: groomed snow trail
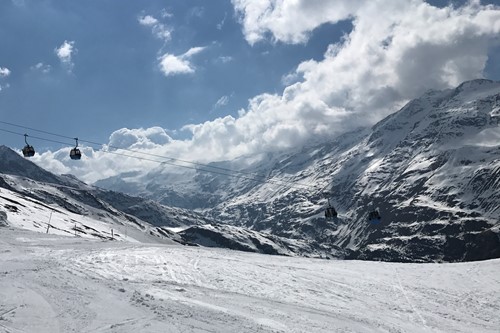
[61,284]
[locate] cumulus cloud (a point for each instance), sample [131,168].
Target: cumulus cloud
[395,51]
[290,21]
[173,65]
[159,30]
[290,78]
[65,53]
[139,138]
[147,20]
[128,150]
[4,72]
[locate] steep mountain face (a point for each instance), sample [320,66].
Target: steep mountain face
[22,176]
[432,170]
[12,164]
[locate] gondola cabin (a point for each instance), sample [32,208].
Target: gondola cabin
[330,213]
[75,154]
[28,151]
[374,217]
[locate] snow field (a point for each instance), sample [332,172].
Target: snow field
[62,284]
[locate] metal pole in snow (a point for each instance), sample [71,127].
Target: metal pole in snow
[48,225]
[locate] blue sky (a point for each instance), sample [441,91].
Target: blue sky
[221,79]
[114,80]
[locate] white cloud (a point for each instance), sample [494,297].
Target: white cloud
[290,78]
[290,21]
[192,51]
[140,147]
[41,67]
[4,72]
[225,59]
[220,25]
[395,51]
[147,20]
[65,53]
[166,14]
[139,138]
[159,30]
[173,65]
[221,102]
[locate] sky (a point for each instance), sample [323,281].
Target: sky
[215,80]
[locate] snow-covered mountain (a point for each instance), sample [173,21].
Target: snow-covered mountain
[432,170]
[32,198]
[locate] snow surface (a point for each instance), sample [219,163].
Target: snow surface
[52,283]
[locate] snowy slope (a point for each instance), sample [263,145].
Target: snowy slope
[432,169]
[26,213]
[53,284]
[65,205]
[26,178]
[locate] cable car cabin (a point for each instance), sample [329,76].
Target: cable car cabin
[75,154]
[330,213]
[28,151]
[374,217]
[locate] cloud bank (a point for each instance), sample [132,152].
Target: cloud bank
[395,51]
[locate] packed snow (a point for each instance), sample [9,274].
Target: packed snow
[53,283]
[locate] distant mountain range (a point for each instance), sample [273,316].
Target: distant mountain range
[432,170]
[35,199]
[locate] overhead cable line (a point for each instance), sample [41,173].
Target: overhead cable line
[152,155]
[227,173]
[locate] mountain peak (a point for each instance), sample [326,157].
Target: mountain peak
[476,83]
[14,164]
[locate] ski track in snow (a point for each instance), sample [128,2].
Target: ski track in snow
[52,283]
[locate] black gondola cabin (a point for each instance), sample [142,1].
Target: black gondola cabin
[28,151]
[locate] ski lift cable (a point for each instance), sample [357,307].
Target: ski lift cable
[280,183]
[251,174]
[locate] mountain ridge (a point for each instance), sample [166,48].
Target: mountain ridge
[423,167]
